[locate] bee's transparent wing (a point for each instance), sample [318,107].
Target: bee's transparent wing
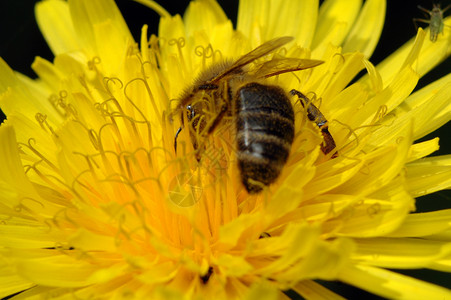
[278,66]
[258,52]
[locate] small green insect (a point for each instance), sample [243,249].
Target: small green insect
[435,22]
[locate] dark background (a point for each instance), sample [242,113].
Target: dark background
[21,41]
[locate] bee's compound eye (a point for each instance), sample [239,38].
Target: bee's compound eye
[191,112]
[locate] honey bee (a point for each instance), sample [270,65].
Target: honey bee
[262,114]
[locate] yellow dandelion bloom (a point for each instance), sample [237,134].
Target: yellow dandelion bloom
[96,202]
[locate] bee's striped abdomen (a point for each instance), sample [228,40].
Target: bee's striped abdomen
[265,132]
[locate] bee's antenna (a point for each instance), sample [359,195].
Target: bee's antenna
[175,138]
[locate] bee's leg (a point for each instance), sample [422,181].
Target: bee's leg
[199,145]
[178,132]
[175,138]
[315,115]
[218,118]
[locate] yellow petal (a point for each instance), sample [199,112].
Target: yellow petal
[175,52]
[335,20]
[374,76]
[16,97]
[90,241]
[54,21]
[377,214]
[27,237]
[443,265]
[56,271]
[299,20]
[423,149]
[381,166]
[424,224]
[389,98]
[390,284]
[11,283]
[429,107]
[47,72]
[366,31]
[232,231]
[160,273]
[101,31]
[288,252]
[434,113]
[347,100]
[233,265]
[203,15]
[32,138]
[324,260]
[263,292]
[400,253]
[13,172]
[431,54]
[351,64]
[35,86]
[309,289]
[155,7]
[428,175]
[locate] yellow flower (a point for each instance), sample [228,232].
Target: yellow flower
[95,202]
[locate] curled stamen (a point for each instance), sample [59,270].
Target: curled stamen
[39,154]
[94,138]
[381,112]
[77,180]
[5,221]
[121,231]
[63,94]
[22,201]
[89,160]
[67,107]
[132,50]
[42,120]
[352,132]
[155,7]
[340,63]
[399,139]
[27,168]
[282,51]
[374,209]
[204,53]
[180,43]
[114,81]
[48,224]
[217,56]
[154,46]
[104,108]
[149,91]
[62,215]
[22,207]
[365,169]
[92,63]
[54,101]
[71,110]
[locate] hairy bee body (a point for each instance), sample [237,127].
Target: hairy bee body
[262,113]
[264,120]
